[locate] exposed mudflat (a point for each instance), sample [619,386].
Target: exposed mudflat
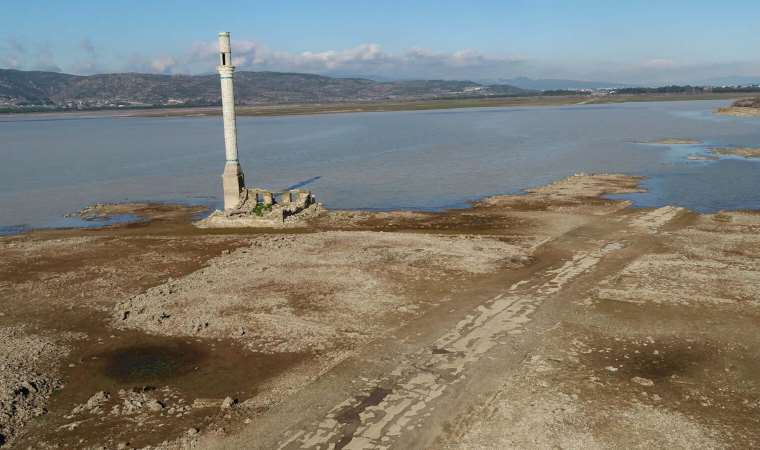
[676,141]
[745,152]
[316,292]
[553,319]
[739,111]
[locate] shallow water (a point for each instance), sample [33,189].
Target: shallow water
[72,221]
[406,160]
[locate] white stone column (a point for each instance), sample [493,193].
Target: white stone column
[232,179]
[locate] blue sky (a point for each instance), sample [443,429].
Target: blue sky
[651,42]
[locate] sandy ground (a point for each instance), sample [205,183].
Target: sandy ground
[738,111]
[555,319]
[676,141]
[312,293]
[746,152]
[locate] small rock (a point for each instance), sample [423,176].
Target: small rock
[228,402]
[98,399]
[611,368]
[154,405]
[192,431]
[642,381]
[203,403]
[93,404]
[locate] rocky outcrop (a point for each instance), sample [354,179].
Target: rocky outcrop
[28,376]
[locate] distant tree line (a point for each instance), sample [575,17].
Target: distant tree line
[560,92]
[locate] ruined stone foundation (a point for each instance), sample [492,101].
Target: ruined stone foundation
[263,208]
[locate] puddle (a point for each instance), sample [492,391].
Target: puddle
[145,363]
[680,361]
[74,222]
[13,229]
[350,414]
[657,361]
[200,368]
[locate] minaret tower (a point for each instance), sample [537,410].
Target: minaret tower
[232,179]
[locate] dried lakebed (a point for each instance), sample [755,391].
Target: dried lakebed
[555,318]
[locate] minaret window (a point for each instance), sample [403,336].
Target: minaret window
[224,59]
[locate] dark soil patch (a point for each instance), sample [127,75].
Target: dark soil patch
[350,415]
[653,359]
[151,362]
[131,361]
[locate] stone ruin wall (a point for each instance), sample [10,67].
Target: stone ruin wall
[268,204]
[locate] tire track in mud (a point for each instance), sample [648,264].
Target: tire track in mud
[400,402]
[656,219]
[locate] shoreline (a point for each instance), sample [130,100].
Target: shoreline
[738,111]
[142,213]
[384,106]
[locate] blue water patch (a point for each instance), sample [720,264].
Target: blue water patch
[683,153]
[95,222]
[211,204]
[74,222]
[13,229]
[699,180]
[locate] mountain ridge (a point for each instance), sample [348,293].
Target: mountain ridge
[23,89]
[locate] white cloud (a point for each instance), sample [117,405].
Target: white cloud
[163,64]
[15,46]
[87,46]
[661,72]
[368,60]
[659,64]
[16,55]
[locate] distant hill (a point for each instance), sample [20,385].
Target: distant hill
[25,89]
[552,84]
[736,80]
